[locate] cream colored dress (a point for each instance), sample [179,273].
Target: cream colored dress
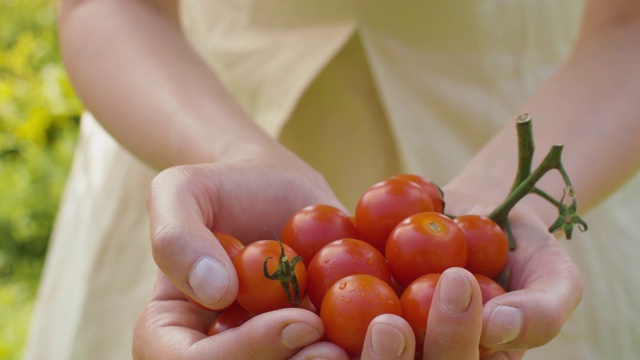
[361,90]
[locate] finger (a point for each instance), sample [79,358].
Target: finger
[173,328]
[455,318]
[550,288]
[321,350]
[182,243]
[168,310]
[389,337]
[274,335]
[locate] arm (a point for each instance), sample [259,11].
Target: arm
[136,73]
[590,107]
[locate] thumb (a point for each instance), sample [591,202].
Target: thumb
[171,328]
[455,318]
[274,335]
[184,248]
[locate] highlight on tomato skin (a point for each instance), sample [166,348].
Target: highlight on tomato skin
[385,204]
[349,306]
[341,258]
[312,227]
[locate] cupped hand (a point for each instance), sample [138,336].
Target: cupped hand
[544,285]
[171,327]
[246,199]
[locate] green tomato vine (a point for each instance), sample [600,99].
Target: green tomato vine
[525,183]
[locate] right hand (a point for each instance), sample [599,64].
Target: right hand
[243,198]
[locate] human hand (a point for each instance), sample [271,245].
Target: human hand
[544,285]
[186,204]
[244,198]
[170,326]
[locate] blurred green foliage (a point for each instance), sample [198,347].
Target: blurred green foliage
[39,115]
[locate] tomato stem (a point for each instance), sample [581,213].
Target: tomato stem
[526,180]
[285,274]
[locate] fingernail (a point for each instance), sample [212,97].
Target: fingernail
[297,335]
[503,326]
[455,292]
[387,341]
[209,280]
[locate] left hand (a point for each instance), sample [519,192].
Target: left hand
[544,286]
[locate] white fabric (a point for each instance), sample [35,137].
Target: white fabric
[417,77]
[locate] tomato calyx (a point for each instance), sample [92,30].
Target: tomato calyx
[434,226]
[285,274]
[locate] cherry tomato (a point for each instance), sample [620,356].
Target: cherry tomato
[314,226]
[416,303]
[270,276]
[339,259]
[384,205]
[488,287]
[229,318]
[230,244]
[433,190]
[487,245]
[425,243]
[349,306]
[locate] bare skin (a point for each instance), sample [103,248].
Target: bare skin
[245,177]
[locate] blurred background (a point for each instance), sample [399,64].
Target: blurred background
[39,115]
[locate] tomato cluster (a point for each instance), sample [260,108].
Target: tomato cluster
[386,259]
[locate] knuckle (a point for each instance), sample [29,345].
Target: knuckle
[165,242]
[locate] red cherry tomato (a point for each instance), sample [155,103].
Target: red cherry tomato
[487,245]
[416,303]
[384,205]
[230,244]
[257,292]
[488,287]
[339,259]
[425,243]
[231,317]
[433,190]
[312,227]
[349,306]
